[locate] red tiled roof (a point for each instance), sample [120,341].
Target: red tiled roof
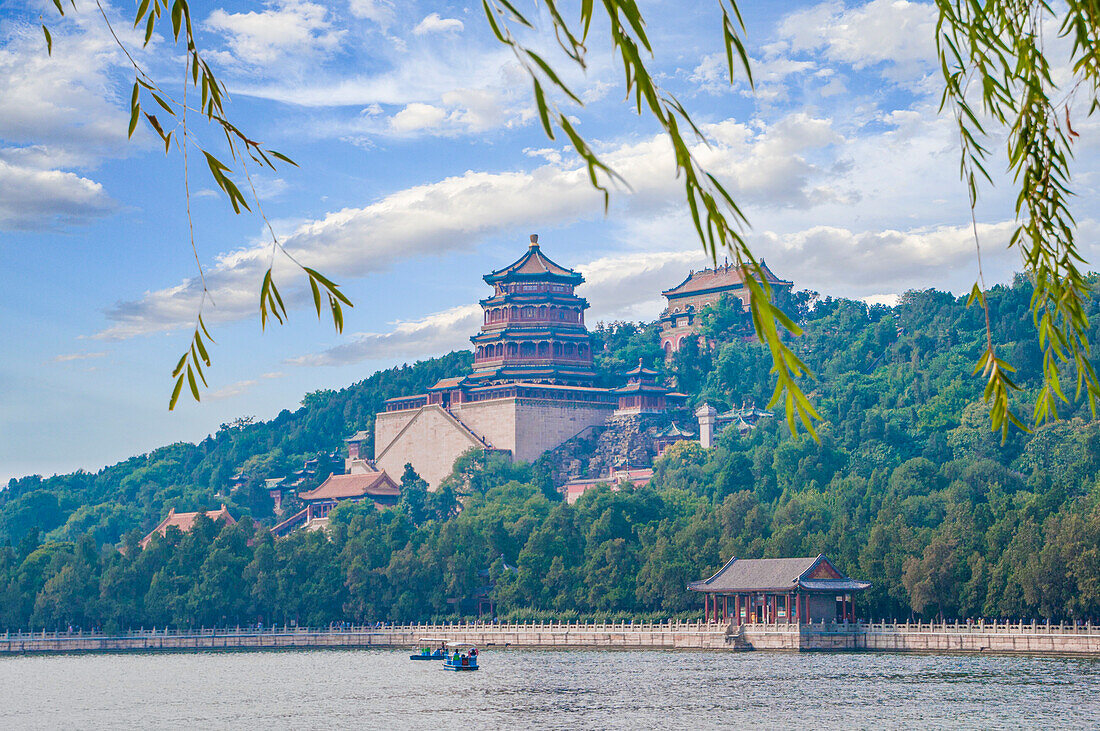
[338,487]
[724,277]
[185,521]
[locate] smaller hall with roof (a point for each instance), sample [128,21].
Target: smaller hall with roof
[705,287]
[779,591]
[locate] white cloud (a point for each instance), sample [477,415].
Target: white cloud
[462,111]
[233,389]
[61,104]
[898,33]
[832,260]
[765,167]
[288,28]
[436,333]
[69,357]
[379,11]
[435,24]
[37,199]
[416,116]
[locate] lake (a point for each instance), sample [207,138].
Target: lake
[548,689]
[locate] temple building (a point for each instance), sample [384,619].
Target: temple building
[360,481]
[185,521]
[531,386]
[712,423]
[643,395]
[705,287]
[778,591]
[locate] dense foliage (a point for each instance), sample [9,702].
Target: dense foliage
[907,488]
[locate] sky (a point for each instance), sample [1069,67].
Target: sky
[422,167]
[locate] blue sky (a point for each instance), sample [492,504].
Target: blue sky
[422,167]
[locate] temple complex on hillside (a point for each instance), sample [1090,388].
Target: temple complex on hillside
[531,387]
[360,481]
[705,287]
[778,590]
[185,521]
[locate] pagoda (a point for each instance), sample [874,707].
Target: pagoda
[533,326]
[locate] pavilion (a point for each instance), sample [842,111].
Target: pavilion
[778,591]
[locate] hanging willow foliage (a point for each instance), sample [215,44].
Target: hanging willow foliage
[994,68]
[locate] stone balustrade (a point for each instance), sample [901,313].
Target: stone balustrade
[964,637]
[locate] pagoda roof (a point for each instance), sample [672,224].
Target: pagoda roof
[358,436]
[342,487]
[521,332]
[640,370]
[815,573]
[534,265]
[720,278]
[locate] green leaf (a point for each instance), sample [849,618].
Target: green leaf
[49,40]
[175,393]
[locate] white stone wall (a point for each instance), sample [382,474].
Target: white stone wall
[430,441]
[494,421]
[543,425]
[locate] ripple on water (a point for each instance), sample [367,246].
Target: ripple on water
[548,689]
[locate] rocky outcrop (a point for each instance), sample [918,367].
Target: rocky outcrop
[624,442]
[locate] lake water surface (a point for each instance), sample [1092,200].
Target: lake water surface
[548,689]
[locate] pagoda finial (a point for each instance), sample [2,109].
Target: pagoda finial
[534,241]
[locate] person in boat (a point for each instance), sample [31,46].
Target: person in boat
[473,652]
[442,649]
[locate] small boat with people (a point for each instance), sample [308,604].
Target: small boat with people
[461,656]
[430,648]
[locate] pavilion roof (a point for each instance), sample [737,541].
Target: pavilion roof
[671,431]
[534,265]
[445,384]
[815,573]
[358,436]
[719,278]
[185,521]
[340,487]
[638,387]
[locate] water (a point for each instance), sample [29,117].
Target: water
[547,689]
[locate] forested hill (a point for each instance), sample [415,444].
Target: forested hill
[893,382]
[139,491]
[907,488]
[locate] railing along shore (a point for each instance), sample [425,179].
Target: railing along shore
[961,636]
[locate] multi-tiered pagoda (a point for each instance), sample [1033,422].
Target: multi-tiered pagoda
[533,327]
[531,387]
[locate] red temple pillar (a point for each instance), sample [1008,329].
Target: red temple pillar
[725,608]
[737,608]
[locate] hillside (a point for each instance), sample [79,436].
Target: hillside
[907,488]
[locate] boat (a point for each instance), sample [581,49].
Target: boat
[430,648]
[464,661]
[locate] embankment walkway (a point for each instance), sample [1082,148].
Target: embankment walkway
[972,637]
